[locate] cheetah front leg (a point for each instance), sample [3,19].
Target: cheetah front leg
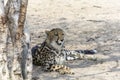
[62,69]
[65,70]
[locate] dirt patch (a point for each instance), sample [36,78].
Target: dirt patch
[88,25]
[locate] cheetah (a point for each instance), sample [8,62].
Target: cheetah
[51,54]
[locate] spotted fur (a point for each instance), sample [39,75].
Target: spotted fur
[51,54]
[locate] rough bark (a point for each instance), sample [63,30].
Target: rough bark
[22,16]
[23,35]
[19,57]
[3,35]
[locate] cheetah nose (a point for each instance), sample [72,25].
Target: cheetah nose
[62,40]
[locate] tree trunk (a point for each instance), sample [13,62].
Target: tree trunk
[24,36]
[3,35]
[19,57]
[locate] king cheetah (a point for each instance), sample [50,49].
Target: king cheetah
[51,55]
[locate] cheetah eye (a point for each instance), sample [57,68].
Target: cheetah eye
[56,34]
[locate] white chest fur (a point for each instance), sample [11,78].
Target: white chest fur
[60,60]
[55,45]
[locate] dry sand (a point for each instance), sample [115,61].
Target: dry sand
[89,24]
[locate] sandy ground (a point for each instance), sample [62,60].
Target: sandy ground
[89,24]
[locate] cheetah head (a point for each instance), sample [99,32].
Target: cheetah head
[55,37]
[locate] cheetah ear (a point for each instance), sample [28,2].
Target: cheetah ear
[47,32]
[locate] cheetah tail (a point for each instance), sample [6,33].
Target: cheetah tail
[87,51]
